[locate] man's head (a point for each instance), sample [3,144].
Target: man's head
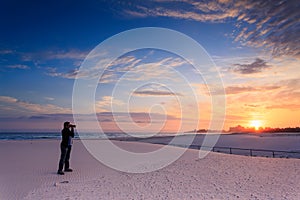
[66,124]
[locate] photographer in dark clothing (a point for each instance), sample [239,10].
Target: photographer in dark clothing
[65,147]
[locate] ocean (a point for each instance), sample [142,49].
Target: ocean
[57,135]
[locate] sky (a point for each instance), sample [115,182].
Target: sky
[254,45]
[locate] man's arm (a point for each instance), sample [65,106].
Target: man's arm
[72,132]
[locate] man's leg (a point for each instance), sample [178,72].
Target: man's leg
[67,163]
[62,158]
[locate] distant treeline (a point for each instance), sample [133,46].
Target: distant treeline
[241,129]
[277,130]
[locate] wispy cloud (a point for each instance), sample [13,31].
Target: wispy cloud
[274,25]
[13,106]
[290,91]
[49,98]
[18,67]
[71,54]
[238,89]
[104,118]
[212,11]
[127,68]
[111,74]
[255,67]
[119,67]
[104,105]
[270,24]
[71,74]
[137,116]
[243,89]
[152,70]
[292,107]
[62,54]
[155,93]
[6,51]
[155,89]
[7,99]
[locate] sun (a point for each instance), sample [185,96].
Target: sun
[255,123]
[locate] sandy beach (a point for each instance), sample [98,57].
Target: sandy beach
[28,171]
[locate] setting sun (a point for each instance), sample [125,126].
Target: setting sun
[255,123]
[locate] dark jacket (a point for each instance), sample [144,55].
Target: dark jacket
[65,133]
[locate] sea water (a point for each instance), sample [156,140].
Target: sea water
[57,135]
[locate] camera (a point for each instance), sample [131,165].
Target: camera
[72,126]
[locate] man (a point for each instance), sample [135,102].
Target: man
[65,147]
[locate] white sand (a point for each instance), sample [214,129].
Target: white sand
[28,171]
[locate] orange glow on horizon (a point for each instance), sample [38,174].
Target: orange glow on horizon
[256,124]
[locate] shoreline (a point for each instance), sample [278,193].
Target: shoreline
[225,145]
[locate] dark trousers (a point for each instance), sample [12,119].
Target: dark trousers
[64,157]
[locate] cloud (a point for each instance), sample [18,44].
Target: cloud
[13,106]
[252,105]
[272,25]
[255,67]
[71,74]
[127,68]
[6,51]
[121,65]
[240,89]
[18,67]
[49,98]
[132,69]
[153,70]
[136,116]
[173,62]
[236,118]
[292,107]
[154,89]
[212,11]
[104,117]
[290,91]
[155,93]
[105,104]
[124,63]
[52,117]
[7,99]
[70,54]
[73,54]
[243,89]
[291,83]
[41,56]
[108,77]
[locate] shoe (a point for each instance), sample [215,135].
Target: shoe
[60,172]
[68,170]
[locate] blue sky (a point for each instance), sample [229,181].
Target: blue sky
[254,44]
